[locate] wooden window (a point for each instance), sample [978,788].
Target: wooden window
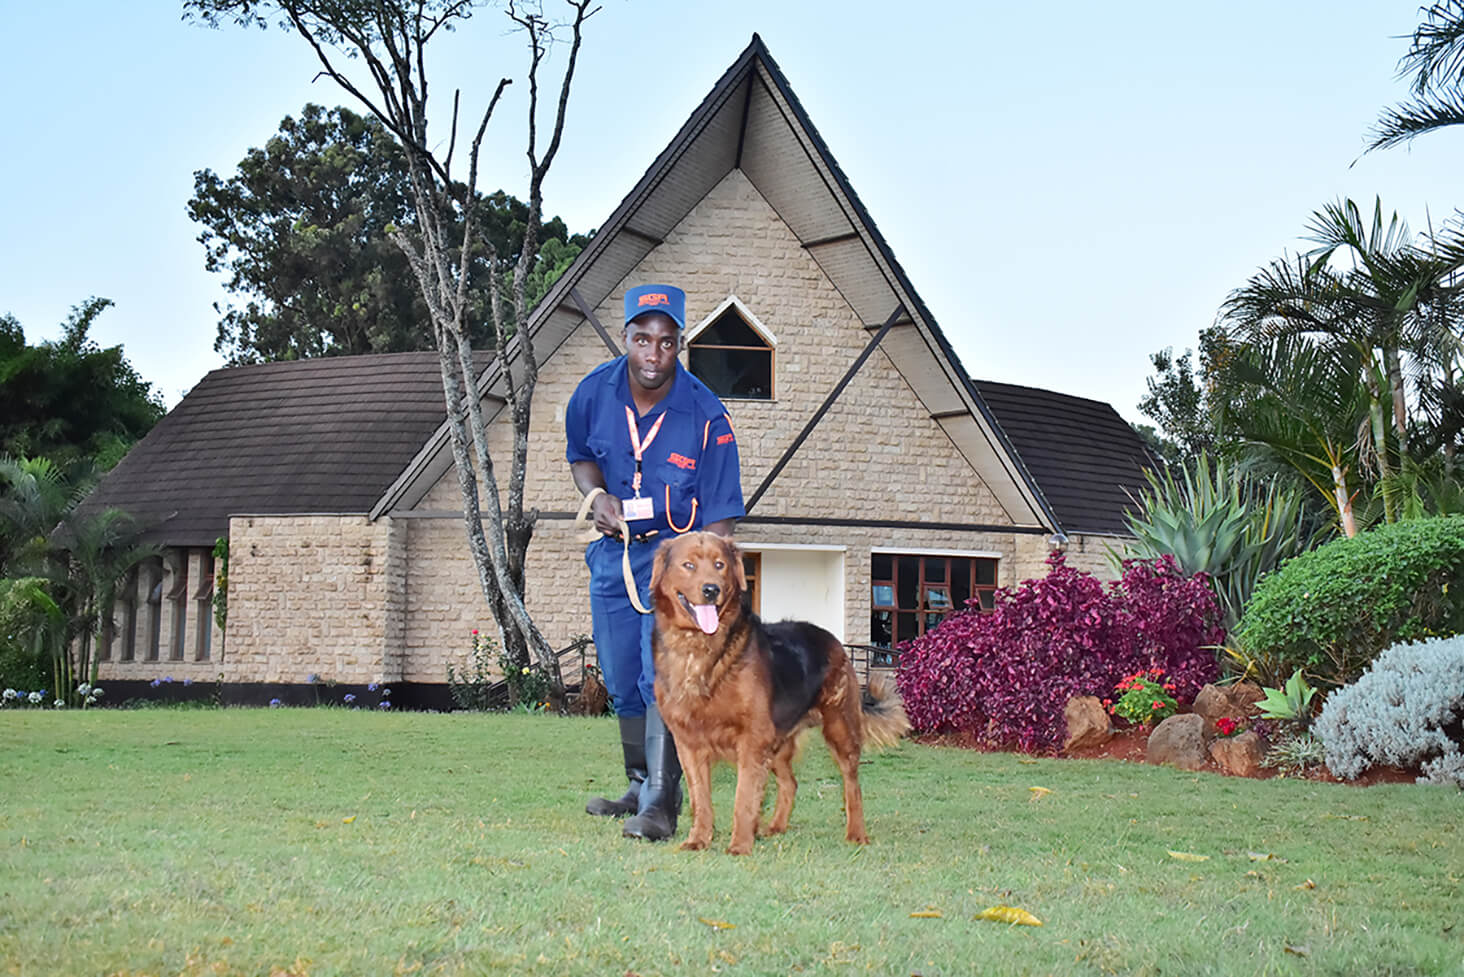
[731,355]
[752,569]
[127,596]
[109,632]
[178,604]
[154,609]
[203,607]
[912,594]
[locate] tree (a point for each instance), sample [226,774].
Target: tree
[301,230]
[1370,288]
[58,572]
[1183,399]
[1436,60]
[389,39]
[71,400]
[1303,406]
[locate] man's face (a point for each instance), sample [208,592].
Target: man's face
[651,343]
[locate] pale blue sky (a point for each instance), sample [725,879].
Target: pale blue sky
[1070,187]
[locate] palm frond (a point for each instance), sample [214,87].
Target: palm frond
[1436,57]
[1401,123]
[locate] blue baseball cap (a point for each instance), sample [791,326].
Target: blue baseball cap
[666,299]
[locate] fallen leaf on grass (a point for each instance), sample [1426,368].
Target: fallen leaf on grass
[1297,950]
[1009,914]
[1308,884]
[717,924]
[348,820]
[1038,792]
[1188,856]
[1257,856]
[927,914]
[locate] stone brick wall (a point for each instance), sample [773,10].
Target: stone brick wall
[314,594]
[444,602]
[1090,553]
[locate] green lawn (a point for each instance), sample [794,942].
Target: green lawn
[325,842]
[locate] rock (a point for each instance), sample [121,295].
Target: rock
[1212,702]
[1180,742]
[1087,723]
[1243,698]
[1237,701]
[1238,756]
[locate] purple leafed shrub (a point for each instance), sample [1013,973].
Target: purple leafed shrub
[1004,677]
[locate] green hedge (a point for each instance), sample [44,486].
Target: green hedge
[1333,610]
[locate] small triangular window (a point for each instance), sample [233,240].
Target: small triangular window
[732,354]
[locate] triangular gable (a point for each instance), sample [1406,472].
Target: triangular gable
[752,121]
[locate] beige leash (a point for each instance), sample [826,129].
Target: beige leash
[631,590]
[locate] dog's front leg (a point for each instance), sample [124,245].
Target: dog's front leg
[752,781]
[696,763]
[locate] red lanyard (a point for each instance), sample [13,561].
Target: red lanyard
[637,446]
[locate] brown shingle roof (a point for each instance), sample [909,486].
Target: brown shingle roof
[319,435]
[1084,457]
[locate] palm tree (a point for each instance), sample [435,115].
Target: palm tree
[59,571]
[1305,407]
[34,498]
[1368,288]
[1436,61]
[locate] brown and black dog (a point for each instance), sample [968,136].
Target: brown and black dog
[731,687]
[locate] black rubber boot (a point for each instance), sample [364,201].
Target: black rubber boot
[660,796]
[633,745]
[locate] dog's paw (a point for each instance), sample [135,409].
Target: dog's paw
[692,844]
[740,848]
[858,838]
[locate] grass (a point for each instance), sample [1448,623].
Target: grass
[330,842]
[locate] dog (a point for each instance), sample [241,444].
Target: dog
[731,687]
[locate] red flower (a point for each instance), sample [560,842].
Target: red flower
[1226,725]
[1158,705]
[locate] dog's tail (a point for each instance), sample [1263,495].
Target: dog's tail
[883,714]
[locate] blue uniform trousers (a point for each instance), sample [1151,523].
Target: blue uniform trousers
[622,634]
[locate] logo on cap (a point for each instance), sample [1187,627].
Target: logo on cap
[653,298]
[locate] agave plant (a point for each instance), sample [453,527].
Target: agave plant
[1214,519]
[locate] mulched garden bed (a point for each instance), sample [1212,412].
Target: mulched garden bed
[1129,745]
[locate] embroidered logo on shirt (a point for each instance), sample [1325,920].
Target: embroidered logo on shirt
[724,439]
[654,298]
[682,462]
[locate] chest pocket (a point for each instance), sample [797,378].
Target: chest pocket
[617,478]
[678,472]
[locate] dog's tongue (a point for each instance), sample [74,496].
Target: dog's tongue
[706,617]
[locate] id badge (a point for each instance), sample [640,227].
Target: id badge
[637,509]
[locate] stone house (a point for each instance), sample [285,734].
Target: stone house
[884,486]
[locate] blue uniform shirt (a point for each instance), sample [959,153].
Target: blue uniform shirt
[690,471]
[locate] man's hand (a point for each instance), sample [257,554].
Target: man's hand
[606,512]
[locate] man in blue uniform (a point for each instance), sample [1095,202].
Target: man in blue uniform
[654,447]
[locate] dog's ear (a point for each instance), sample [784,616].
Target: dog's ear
[733,556]
[660,563]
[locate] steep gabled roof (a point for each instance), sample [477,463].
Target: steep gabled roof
[319,435]
[752,121]
[1087,459]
